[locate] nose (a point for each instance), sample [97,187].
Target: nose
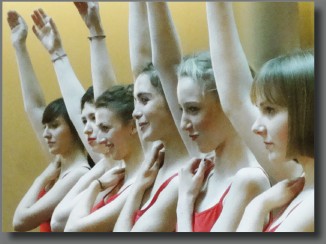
[185,123]
[136,114]
[46,133]
[88,129]
[258,128]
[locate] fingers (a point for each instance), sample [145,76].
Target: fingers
[53,27]
[38,19]
[296,185]
[12,18]
[81,7]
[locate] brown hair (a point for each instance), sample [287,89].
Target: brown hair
[288,81]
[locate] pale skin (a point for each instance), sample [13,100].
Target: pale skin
[230,67]
[34,101]
[30,212]
[233,82]
[57,179]
[124,145]
[149,105]
[205,122]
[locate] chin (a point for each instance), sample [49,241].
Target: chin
[276,158]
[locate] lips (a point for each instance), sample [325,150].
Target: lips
[268,144]
[50,143]
[91,140]
[193,136]
[142,125]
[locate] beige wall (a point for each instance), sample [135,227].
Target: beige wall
[21,155]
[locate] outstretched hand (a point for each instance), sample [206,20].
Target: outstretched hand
[112,177]
[193,176]
[89,11]
[150,167]
[46,31]
[18,28]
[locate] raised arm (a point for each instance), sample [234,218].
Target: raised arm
[81,219]
[233,79]
[166,57]
[32,211]
[102,69]
[34,102]
[139,39]
[139,48]
[71,88]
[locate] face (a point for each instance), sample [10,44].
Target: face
[151,111]
[58,136]
[113,134]
[272,126]
[202,116]
[90,127]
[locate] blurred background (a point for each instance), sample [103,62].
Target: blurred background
[266,30]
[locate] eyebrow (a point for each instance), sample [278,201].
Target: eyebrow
[143,94]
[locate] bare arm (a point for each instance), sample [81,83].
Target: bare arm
[103,219]
[275,197]
[145,179]
[233,81]
[34,102]
[233,78]
[247,184]
[62,211]
[139,39]
[31,212]
[71,88]
[166,56]
[192,177]
[102,69]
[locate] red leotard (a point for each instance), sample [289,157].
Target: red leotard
[104,202]
[46,225]
[272,220]
[204,221]
[139,213]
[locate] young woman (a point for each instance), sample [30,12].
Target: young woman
[275,97]
[72,91]
[118,133]
[202,118]
[283,91]
[152,201]
[60,136]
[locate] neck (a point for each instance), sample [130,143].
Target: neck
[232,155]
[73,157]
[175,153]
[133,160]
[308,165]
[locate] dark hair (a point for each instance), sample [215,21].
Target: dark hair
[56,109]
[120,100]
[88,97]
[153,77]
[288,81]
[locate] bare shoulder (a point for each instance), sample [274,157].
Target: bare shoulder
[251,178]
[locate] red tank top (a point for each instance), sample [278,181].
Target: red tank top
[46,225]
[139,213]
[269,228]
[104,202]
[204,221]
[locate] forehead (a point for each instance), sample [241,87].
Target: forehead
[144,85]
[88,108]
[105,115]
[188,89]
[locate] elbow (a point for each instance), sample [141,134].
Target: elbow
[56,226]
[19,224]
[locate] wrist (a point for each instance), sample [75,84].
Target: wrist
[57,53]
[96,30]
